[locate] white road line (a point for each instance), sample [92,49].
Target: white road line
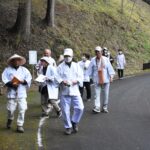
[39,134]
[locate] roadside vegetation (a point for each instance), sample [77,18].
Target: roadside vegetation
[82,25]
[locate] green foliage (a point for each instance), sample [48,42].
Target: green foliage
[83,24]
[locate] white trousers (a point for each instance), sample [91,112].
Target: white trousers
[104,90]
[66,103]
[22,107]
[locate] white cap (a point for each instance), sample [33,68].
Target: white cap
[68,52]
[45,59]
[105,48]
[98,48]
[15,56]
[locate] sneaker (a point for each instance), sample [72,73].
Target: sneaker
[96,110]
[20,129]
[75,127]
[68,131]
[59,113]
[88,100]
[105,110]
[49,105]
[8,125]
[49,109]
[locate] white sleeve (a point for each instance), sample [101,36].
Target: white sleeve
[50,73]
[90,69]
[38,65]
[110,69]
[5,78]
[28,77]
[58,74]
[80,75]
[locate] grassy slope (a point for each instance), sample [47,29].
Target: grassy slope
[103,24]
[82,25]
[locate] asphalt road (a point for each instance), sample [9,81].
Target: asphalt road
[125,127]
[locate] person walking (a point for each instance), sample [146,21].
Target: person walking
[39,67]
[48,88]
[17,79]
[84,64]
[70,77]
[46,53]
[121,63]
[107,54]
[102,72]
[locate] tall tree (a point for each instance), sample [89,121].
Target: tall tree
[50,13]
[22,25]
[122,5]
[106,1]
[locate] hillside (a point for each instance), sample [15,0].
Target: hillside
[82,25]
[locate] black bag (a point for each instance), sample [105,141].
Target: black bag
[43,89]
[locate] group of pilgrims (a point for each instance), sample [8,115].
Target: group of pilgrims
[62,85]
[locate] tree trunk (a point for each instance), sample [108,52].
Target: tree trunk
[122,3]
[50,13]
[22,25]
[106,1]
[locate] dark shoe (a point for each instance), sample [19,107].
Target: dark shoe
[75,127]
[68,131]
[44,115]
[59,114]
[20,129]
[9,121]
